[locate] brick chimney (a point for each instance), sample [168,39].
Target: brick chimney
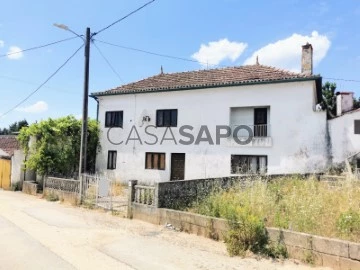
[307,59]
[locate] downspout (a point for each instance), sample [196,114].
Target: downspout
[97,120]
[97,107]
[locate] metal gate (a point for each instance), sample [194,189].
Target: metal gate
[101,191]
[5,173]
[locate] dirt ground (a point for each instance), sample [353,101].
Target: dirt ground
[37,234]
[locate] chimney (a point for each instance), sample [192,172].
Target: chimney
[344,102]
[307,59]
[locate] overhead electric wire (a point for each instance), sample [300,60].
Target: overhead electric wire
[148,52]
[128,15]
[345,80]
[37,47]
[33,83]
[41,85]
[108,62]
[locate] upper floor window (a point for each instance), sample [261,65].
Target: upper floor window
[166,118]
[114,119]
[111,163]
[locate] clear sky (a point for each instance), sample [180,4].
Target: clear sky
[221,32]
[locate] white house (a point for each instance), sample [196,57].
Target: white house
[173,126]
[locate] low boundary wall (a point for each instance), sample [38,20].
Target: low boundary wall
[30,187]
[316,250]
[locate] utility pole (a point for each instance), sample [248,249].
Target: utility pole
[84,127]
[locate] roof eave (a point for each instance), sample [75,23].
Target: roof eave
[143,91]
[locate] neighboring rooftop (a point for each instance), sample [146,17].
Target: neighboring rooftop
[8,144]
[229,76]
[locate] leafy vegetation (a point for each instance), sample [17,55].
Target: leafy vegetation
[329,99]
[57,147]
[308,206]
[14,127]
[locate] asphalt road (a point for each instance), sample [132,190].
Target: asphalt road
[36,234]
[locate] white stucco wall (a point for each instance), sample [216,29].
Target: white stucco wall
[344,142]
[17,160]
[297,131]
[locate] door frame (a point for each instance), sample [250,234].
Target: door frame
[171,165]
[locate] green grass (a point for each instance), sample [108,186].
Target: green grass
[292,203]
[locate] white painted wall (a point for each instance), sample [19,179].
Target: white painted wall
[344,141]
[298,132]
[17,160]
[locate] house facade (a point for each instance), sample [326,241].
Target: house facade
[11,161]
[214,123]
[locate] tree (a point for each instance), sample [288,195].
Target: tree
[329,99]
[57,147]
[356,103]
[14,127]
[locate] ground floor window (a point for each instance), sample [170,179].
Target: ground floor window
[111,164]
[155,161]
[245,164]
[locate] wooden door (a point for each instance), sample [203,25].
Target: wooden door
[5,173]
[177,166]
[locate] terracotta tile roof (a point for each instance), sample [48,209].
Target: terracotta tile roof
[229,76]
[9,143]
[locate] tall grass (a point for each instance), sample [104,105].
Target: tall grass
[309,206]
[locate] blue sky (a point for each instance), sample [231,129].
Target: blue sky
[222,32]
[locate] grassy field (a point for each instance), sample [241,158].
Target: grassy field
[308,206]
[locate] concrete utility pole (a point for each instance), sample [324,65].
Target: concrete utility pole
[84,127]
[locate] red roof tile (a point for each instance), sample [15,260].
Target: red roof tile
[9,143]
[208,78]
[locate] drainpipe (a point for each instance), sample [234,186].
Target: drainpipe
[97,107]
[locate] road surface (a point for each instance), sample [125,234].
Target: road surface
[37,234]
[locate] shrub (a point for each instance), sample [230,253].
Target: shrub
[349,223]
[51,197]
[247,232]
[293,203]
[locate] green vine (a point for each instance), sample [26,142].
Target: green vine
[55,146]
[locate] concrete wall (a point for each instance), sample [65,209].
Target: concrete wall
[297,131]
[344,142]
[30,187]
[320,251]
[17,165]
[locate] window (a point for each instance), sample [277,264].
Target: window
[357,126]
[114,119]
[248,164]
[155,161]
[111,164]
[166,118]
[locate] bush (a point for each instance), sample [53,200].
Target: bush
[292,203]
[51,197]
[349,223]
[247,232]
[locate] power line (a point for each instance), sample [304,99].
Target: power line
[152,53]
[41,85]
[33,83]
[108,62]
[187,59]
[123,18]
[345,80]
[37,47]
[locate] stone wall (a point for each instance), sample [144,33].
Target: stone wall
[30,187]
[181,194]
[316,250]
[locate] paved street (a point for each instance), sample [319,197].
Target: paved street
[36,234]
